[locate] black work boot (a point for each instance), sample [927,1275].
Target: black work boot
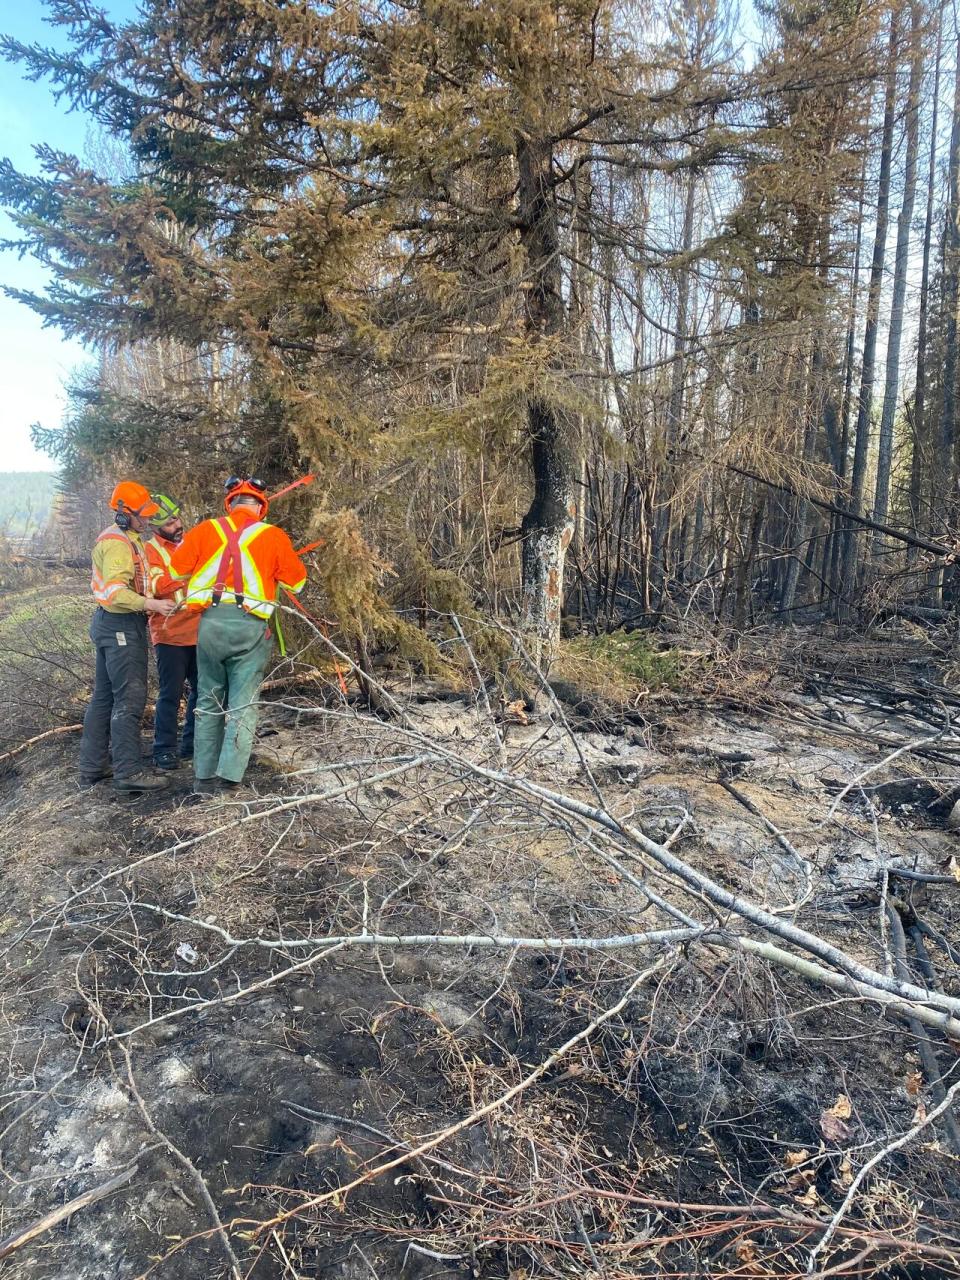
[141,780]
[166,760]
[91,779]
[206,786]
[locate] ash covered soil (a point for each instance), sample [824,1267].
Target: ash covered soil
[185,1004]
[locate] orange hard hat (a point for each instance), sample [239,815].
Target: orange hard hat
[134,499]
[239,487]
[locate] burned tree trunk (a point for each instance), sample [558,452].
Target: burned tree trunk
[549,523]
[841,466]
[951,324]
[897,307]
[872,322]
[661,549]
[918,514]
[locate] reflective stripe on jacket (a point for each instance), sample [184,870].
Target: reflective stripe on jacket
[181,627]
[120,575]
[267,562]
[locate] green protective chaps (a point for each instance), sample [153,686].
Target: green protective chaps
[233,648]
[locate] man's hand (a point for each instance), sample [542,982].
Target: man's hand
[164,607]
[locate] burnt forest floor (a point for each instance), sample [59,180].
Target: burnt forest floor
[174,1012]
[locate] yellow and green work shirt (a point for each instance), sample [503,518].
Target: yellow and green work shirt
[120,572]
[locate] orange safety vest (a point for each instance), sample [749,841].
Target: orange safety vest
[105,590]
[232,574]
[181,627]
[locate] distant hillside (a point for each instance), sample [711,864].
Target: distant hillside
[26,499]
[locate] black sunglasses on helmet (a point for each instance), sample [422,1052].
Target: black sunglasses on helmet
[254,481]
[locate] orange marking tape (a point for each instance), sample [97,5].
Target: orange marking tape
[294,485]
[318,622]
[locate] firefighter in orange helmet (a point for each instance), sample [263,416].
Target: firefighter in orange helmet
[174,645]
[121,588]
[233,567]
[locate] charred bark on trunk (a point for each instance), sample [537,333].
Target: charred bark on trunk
[548,526]
[837,526]
[951,302]
[918,424]
[675,404]
[865,406]
[904,226]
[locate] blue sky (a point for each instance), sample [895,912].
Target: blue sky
[34,362]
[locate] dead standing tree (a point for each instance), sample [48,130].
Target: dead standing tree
[548,525]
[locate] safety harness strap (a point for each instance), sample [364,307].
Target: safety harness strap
[232,556]
[141,570]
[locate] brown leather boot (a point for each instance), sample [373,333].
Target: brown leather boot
[141,780]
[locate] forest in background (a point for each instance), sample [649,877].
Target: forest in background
[27,500]
[577,309]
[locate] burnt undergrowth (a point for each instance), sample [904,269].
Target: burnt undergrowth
[366,1017]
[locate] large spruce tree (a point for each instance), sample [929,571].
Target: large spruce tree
[382,208]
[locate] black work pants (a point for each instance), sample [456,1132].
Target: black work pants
[176,667]
[111,726]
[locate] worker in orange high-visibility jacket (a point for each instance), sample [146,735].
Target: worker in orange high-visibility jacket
[233,567]
[121,588]
[174,645]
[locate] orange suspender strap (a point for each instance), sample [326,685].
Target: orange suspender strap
[141,571]
[231,556]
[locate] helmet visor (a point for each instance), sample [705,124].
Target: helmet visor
[167,509]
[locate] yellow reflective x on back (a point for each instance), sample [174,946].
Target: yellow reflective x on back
[205,587]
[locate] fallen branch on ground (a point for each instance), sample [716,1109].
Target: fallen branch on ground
[928,1057]
[781,840]
[879,764]
[705,934]
[699,883]
[872,1163]
[49,1220]
[40,737]
[186,1163]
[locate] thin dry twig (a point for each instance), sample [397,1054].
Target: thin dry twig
[83,1201]
[340,1193]
[186,1163]
[877,1158]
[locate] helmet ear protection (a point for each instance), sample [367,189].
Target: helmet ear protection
[131,499]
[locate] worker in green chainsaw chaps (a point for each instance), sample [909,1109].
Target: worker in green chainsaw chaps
[233,567]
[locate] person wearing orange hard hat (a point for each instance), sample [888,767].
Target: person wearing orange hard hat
[174,642]
[121,588]
[233,567]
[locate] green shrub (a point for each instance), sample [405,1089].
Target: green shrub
[620,665]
